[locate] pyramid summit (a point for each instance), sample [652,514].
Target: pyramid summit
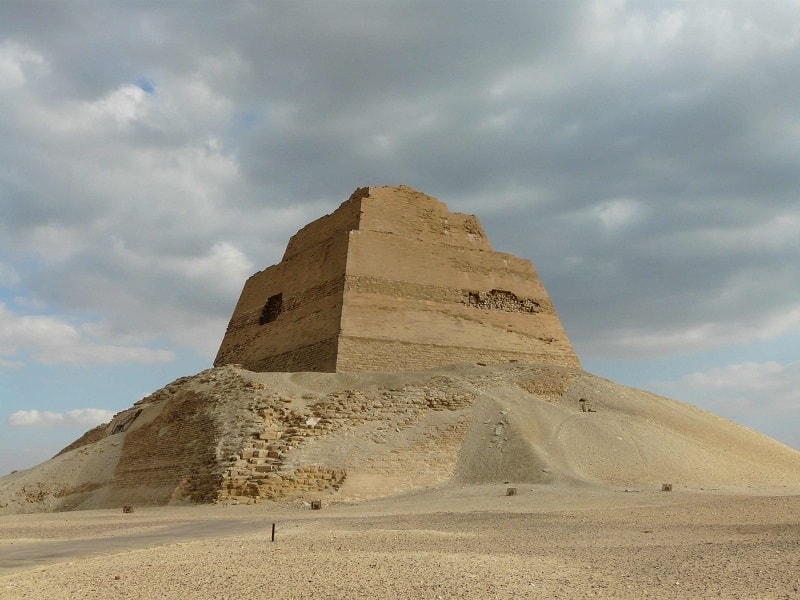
[393,281]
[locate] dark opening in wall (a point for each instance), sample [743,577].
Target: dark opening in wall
[271,309]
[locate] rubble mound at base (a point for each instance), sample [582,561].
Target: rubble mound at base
[231,435]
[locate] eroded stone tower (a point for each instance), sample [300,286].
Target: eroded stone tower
[393,281]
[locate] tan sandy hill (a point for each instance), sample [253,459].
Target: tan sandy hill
[231,435]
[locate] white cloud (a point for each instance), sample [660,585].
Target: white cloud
[617,213]
[29,302]
[8,276]
[15,62]
[744,238]
[111,113]
[653,341]
[52,340]
[122,106]
[753,376]
[224,264]
[749,387]
[58,243]
[118,225]
[85,417]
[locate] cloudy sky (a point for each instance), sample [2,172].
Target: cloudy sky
[644,155]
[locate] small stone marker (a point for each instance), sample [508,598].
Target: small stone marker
[666,487]
[511,491]
[316,504]
[127,509]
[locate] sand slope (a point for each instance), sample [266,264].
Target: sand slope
[230,435]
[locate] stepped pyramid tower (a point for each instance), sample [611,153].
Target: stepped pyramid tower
[393,281]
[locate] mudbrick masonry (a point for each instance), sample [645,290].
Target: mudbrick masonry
[393,281]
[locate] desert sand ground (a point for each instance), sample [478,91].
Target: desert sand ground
[450,542]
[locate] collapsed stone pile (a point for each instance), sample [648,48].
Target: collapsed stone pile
[229,435]
[267,468]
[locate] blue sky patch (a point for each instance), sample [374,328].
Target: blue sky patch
[145,84]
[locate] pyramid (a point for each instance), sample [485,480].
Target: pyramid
[395,286]
[393,281]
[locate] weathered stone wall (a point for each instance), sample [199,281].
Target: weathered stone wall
[173,455]
[393,281]
[346,218]
[299,331]
[405,212]
[415,301]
